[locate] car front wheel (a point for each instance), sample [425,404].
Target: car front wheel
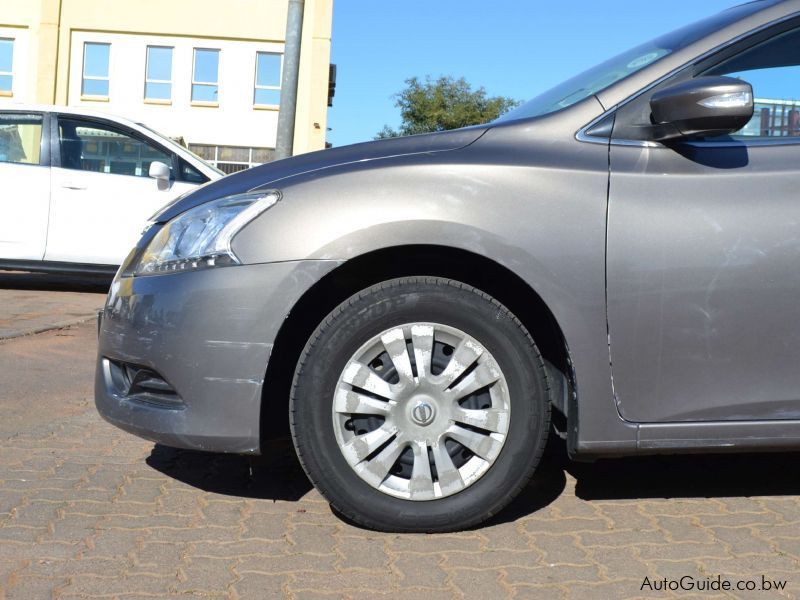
[420,404]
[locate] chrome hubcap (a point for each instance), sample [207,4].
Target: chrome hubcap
[421,411]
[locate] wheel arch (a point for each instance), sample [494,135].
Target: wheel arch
[373,267]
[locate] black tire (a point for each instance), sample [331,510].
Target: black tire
[393,303]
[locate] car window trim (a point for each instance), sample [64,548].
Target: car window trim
[54,141]
[44,143]
[582,136]
[56,158]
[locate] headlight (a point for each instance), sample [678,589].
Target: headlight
[201,237]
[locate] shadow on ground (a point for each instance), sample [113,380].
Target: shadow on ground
[278,476]
[685,476]
[52,282]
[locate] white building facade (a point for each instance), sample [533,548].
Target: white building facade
[220,96]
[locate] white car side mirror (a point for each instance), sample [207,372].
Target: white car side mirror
[160,172]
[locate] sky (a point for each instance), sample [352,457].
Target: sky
[516,48]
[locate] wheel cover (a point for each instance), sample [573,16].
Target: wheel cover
[421,411]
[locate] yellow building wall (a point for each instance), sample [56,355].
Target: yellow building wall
[28,14]
[51,23]
[312,93]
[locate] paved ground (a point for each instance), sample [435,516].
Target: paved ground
[86,510]
[27,304]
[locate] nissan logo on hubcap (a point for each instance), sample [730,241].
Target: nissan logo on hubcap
[423,413]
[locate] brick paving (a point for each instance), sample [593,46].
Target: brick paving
[86,510]
[28,304]
[89,511]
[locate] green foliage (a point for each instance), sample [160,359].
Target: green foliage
[443,103]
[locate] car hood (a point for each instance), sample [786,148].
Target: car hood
[269,174]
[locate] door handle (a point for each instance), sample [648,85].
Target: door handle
[73,186]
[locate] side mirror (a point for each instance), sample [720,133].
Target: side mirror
[161,173]
[701,107]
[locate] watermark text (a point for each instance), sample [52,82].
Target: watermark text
[688,583]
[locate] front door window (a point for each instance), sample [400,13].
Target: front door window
[773,69]
[89,146]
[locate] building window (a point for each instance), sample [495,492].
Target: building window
[6,63]
[95,69]
[205,76]
[268,79]
[231,159]
[158,74]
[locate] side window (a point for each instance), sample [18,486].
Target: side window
[773,69]
[190,174]
[20,138]
[90,146]
[771,66]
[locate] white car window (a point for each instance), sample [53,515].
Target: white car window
[20,138]
[100,148]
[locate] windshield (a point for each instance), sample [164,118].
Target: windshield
[610,72]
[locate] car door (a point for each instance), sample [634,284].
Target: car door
[102,194]
[25,181]
[703,256]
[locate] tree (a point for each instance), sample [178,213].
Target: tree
[443,103]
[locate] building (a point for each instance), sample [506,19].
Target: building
[774,118]
[206,72]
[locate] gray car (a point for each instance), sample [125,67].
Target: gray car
[617,260]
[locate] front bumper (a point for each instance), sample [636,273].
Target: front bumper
[207,336]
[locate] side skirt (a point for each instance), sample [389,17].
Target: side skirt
[696,438]
[50,266]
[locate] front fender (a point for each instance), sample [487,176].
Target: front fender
[544,223]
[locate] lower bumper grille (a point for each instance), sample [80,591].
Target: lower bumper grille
[141,384]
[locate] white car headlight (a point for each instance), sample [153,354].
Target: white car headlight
[201,237]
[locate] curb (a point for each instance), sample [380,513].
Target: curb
[60,325]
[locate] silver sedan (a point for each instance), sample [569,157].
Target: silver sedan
[616,261]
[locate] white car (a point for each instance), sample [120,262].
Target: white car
[77,186]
